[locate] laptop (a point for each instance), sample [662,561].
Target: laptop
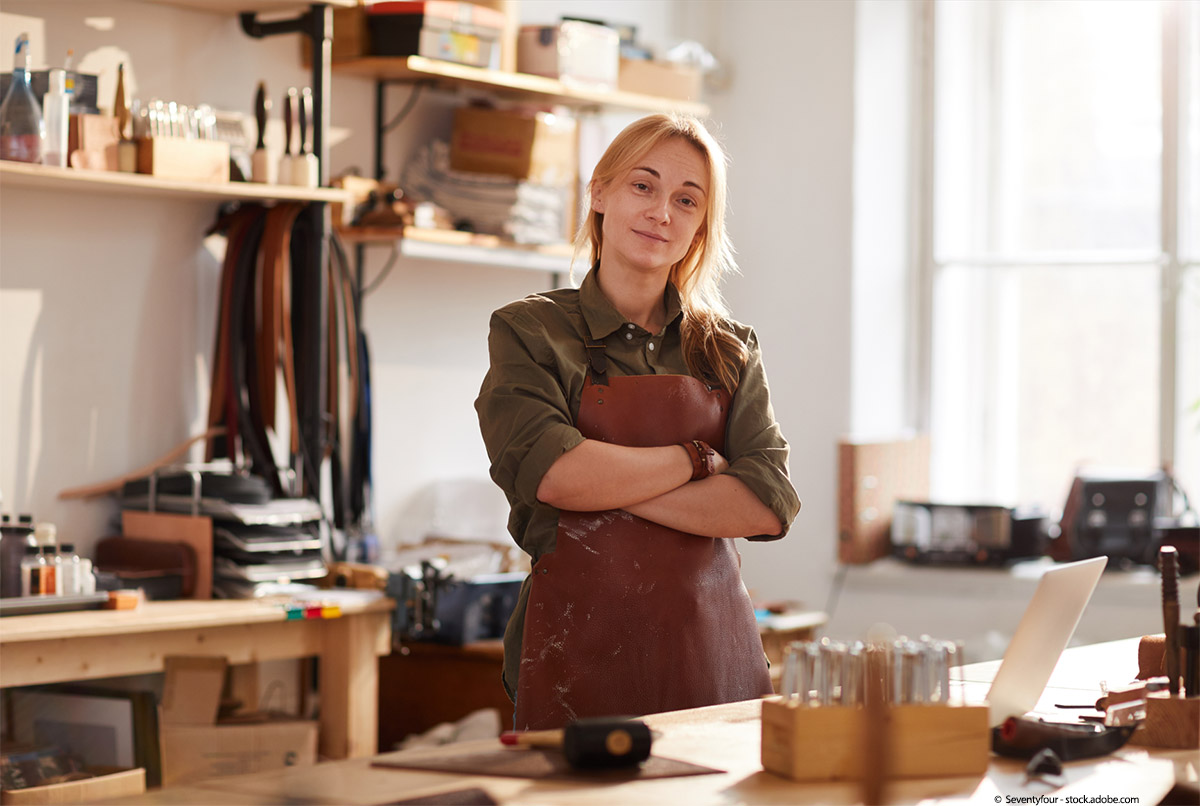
[1042,634]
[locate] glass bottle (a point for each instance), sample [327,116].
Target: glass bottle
[22,131]
[48,578]
[31,571]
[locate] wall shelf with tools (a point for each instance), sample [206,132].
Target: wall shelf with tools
[462,247]
[74,180]
[524,86]
[444,76]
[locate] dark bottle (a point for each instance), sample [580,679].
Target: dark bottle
[14,537]
[22,131]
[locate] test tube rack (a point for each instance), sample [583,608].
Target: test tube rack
[825,743]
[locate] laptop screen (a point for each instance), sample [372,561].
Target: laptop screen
[1042,634]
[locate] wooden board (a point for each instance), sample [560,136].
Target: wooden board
[194,531]
[451,74]
[46,177]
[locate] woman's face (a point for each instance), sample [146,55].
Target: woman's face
[653,213]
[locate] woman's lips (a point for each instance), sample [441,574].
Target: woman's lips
[651,236]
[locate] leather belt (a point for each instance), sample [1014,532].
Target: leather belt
[258,319]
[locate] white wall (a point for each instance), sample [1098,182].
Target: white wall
[787,121]
[107,304]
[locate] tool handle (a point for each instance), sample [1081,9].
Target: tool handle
[1168,566]
[261,107]
[289,119]
[532,738]
[307,124]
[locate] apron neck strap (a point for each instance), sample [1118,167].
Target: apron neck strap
[597,362]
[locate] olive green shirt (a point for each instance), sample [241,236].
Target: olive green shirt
[530,398]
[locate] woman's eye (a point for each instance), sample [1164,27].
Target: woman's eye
[641,186]
[687,202]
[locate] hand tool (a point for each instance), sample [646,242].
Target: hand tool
[289,119]
[260,167]
[590,744]
[304,164]
[1168,566]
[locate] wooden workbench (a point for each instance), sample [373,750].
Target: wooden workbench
[60,647]
[727,737]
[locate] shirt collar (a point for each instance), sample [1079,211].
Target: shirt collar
[603,319]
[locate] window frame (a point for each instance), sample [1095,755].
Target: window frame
[1174,270]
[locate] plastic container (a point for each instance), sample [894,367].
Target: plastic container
[57,110]
[22,130]
[70,570]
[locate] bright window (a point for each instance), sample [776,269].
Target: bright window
[1056,331]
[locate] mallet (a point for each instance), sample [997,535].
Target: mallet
[591,744]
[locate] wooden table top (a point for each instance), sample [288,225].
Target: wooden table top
[159,616]
[727,738]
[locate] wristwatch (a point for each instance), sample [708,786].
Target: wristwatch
[703,458]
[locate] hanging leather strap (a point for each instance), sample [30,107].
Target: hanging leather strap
[274,323]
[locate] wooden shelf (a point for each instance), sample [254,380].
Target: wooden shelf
[43,177]
[238,6]
[464,247]
[450,74]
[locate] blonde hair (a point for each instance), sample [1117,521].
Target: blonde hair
[711,349]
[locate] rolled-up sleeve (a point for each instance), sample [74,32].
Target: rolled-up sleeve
[755,447]
[524,415]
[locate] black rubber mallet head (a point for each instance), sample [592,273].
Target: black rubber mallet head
[592,744]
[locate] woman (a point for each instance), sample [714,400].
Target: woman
[629,424]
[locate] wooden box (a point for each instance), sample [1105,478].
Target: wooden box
[921,741]
[871,477]
[108,784]
[1171,723]
[184,160]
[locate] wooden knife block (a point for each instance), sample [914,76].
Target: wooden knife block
[825,743]
[1171,722]
[184,160]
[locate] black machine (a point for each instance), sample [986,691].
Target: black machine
[1126,517]
[433,605]
[965,534]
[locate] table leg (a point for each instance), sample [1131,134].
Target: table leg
[349,684]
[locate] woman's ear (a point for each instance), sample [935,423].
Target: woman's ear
[597,195]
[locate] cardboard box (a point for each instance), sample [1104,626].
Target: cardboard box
[661,79]
[108,783]
[579,53]
[197,752]
[196,747]
[436,29]
[469,33]
[539,148]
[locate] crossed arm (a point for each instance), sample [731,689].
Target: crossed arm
[655,484]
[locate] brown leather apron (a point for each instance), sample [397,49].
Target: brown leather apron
[627,617]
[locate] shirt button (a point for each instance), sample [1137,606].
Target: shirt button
[629,336]
[629,325]
[651,345]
